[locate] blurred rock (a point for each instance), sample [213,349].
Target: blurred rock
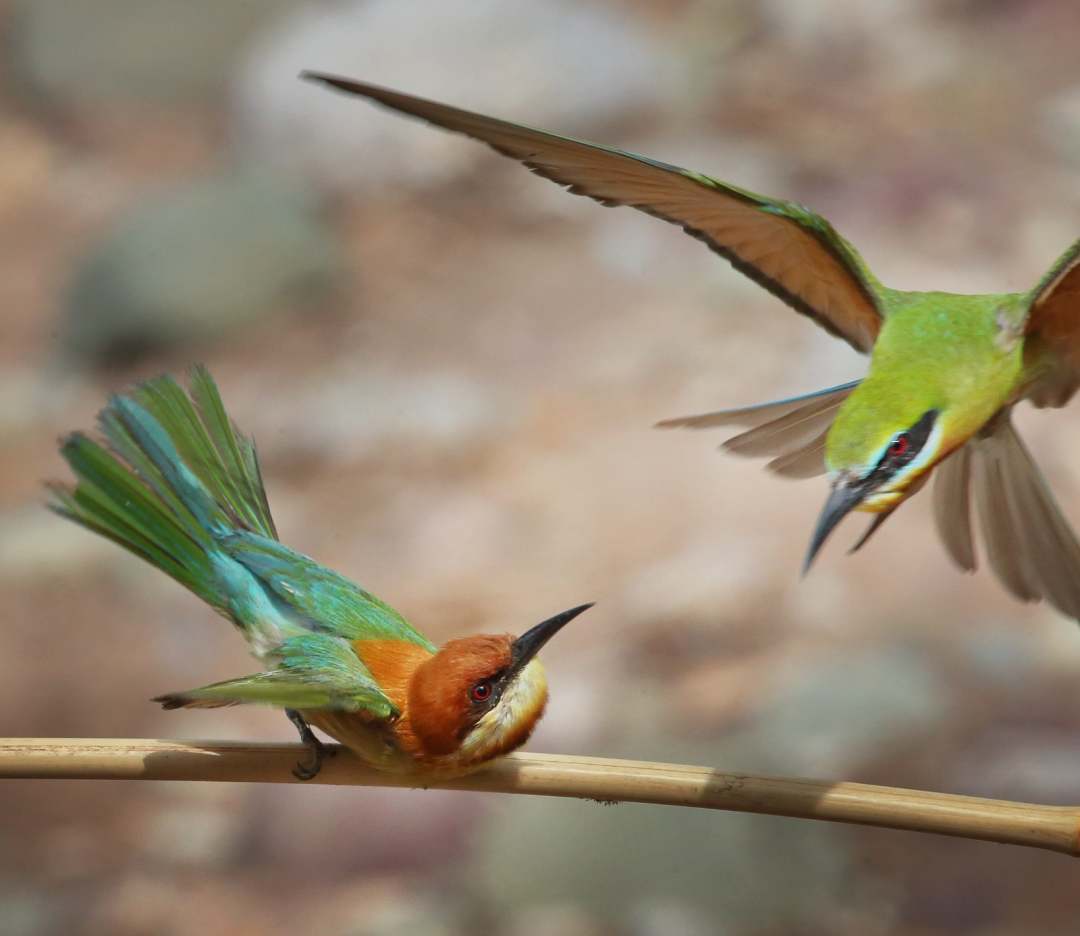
[380,832]
[644,866]
[199,259]
[1001,654]
[559,64]
[29,396]
[199,828]
[36,543]
[670,918]
[149,52]
[826,715]
[28,913]
[1061,123]
[552,918]
[1025,762]
[354,412]
[411,914]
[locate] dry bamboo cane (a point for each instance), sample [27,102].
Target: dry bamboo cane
[1056,828]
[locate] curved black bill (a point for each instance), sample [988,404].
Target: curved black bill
[528,644]
[841,500]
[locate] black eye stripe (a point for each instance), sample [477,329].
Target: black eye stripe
[495,684]
[890,464]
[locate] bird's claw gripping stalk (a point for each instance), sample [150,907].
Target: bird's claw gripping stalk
[308,769]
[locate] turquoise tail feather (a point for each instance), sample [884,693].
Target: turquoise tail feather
[180,487]
[175,479]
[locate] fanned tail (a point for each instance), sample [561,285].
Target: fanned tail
[790,431]
[952,506]
[174,477]
[1029,543]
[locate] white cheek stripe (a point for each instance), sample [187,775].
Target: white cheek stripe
[522,696]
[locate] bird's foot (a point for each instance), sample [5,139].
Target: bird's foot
[308,768]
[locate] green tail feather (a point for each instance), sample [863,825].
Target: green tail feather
[176,474]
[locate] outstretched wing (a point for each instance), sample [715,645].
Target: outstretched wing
[789,250]
[1052,330]
[317,671]
[791,431]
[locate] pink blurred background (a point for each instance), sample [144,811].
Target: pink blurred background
[451,369]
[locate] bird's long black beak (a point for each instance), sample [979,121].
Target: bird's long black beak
[842,499]
[528,644]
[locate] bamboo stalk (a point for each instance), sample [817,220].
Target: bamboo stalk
[1056,828]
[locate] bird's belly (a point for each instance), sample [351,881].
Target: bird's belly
[372,741]
[375,743]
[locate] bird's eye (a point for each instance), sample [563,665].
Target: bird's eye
[481,692]
[899,446]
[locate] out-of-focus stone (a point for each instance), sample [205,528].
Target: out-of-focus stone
[35,542]
[1024,762]
[199,259]
[828,714]
[1061,123]
[353,412]
[412,915]
[554,917]
[663,917]
[28,913]
[147,52]
[754,873]
[559,64]
[194,828]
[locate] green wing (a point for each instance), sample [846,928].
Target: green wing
[324,600]
[316,671]
[789,250]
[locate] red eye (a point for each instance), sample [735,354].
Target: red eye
[481,692]
[899,445]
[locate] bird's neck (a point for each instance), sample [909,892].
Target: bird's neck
[429,729]
[508,725]
[393,663]
[425,729]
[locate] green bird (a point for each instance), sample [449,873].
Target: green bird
[179,486]
[945,369]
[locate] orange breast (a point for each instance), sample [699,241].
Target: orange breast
[393,663]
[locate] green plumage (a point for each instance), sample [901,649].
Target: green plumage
[179,486]
[949,366]
[315,672]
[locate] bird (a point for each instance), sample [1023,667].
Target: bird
[174,482]
[946,369]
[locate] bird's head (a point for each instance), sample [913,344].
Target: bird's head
[480,697]
[878,453]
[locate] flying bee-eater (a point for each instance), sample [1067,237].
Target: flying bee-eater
[945,369]
[176,484]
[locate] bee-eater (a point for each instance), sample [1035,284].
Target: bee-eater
[179,486]
[945,369]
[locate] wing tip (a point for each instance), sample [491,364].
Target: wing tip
[319,77]
[179,700]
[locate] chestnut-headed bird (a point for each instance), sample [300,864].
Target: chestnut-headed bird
[945,369]
[179,486]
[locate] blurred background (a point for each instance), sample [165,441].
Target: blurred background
[451,369]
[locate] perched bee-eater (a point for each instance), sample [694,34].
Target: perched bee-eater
[945,369]
[178,485]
